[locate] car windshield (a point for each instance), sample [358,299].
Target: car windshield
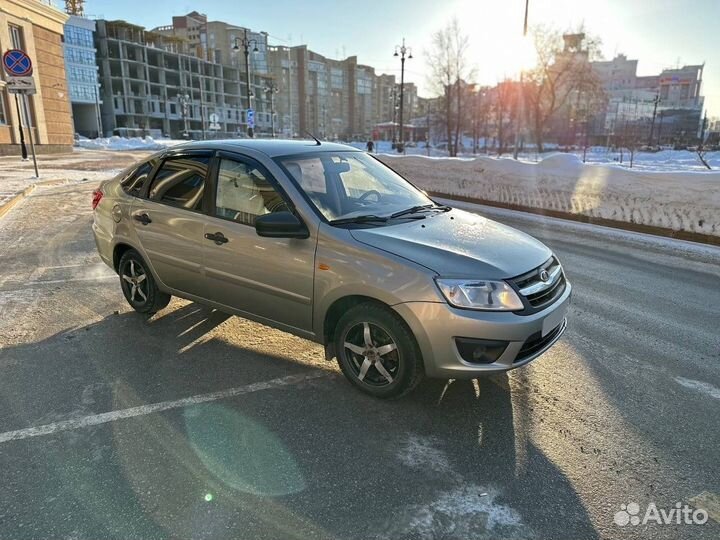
[343,185]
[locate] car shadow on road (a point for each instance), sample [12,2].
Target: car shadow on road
[318,459]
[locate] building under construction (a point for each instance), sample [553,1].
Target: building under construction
[150,88]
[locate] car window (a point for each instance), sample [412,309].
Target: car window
[244,192]
[358,181]
[180,182]
[353,184]
[135,180]
[310,174]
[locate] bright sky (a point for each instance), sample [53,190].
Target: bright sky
[659,33]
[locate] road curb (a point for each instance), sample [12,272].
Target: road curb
[20,195]
[615,224]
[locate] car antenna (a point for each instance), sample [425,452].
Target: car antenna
[317,141]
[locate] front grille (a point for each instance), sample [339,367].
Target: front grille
[535,294]
[536,343]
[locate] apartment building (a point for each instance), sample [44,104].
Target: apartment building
[333,99]
[37,28]
[82,76]
[148,88]
[632,100]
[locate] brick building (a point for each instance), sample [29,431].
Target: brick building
[37,28]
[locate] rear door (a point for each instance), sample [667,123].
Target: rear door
[169,221]
[267,277]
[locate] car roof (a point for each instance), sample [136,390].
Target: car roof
[270,147]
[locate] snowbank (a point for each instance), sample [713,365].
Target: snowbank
[665,160]
[123,143]
[682,201]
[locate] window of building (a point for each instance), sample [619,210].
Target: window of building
[3,117]
[180,182]
[16,36]
[244,193]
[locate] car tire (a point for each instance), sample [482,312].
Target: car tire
[377,351]
[142,293]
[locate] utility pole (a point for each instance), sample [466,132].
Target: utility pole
[660,124]
[245,42]
[427,139]
[23,148]
[521,102]
[655,101]
[703,128]
[202,99]
[404,53]
[272,89]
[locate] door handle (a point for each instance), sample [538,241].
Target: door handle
[142,218]
[217,237]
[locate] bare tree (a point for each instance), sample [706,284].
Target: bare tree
[449,69]
[503,105]
[560,74]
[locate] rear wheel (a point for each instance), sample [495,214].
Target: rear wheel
[377,352]
[138,285]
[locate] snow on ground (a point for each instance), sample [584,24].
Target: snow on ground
[458,508]
[665,160]
[123,143]
[682,201]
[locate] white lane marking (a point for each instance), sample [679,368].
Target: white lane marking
[142,410]
[703,387]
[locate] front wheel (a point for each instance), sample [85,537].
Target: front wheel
[138,285]
[377,352]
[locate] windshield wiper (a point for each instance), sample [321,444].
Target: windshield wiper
[420,208]
[359,219]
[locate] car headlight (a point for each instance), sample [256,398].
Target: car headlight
[480,294]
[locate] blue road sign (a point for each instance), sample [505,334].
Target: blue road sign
[251,118]
[17,63]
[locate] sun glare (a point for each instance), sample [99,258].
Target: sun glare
[498,48]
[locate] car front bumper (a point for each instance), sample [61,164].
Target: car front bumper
[436,326]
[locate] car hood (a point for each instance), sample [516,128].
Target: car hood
[459,244]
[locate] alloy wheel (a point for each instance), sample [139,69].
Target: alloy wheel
[373,354]
[136,278]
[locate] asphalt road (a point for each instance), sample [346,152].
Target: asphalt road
[193,424]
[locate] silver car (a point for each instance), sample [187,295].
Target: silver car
[326,242]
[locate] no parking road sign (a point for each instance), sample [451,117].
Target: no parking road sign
[18,66]
[17,63]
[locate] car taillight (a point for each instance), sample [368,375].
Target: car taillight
[97,197]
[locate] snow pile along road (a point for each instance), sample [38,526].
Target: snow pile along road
[122,143]
[681,201]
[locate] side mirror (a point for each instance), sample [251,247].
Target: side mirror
[280,225]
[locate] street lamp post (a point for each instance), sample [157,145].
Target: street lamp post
[184,103]
[404,53]
[655,101]
[246,43]
[272,89]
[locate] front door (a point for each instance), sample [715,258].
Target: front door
[170,222]
[268,277]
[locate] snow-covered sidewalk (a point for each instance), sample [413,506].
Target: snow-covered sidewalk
[681,201]
[16,175]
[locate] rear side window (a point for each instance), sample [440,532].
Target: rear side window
[134,181]
[180,182]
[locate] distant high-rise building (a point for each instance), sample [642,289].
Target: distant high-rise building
[82,76]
